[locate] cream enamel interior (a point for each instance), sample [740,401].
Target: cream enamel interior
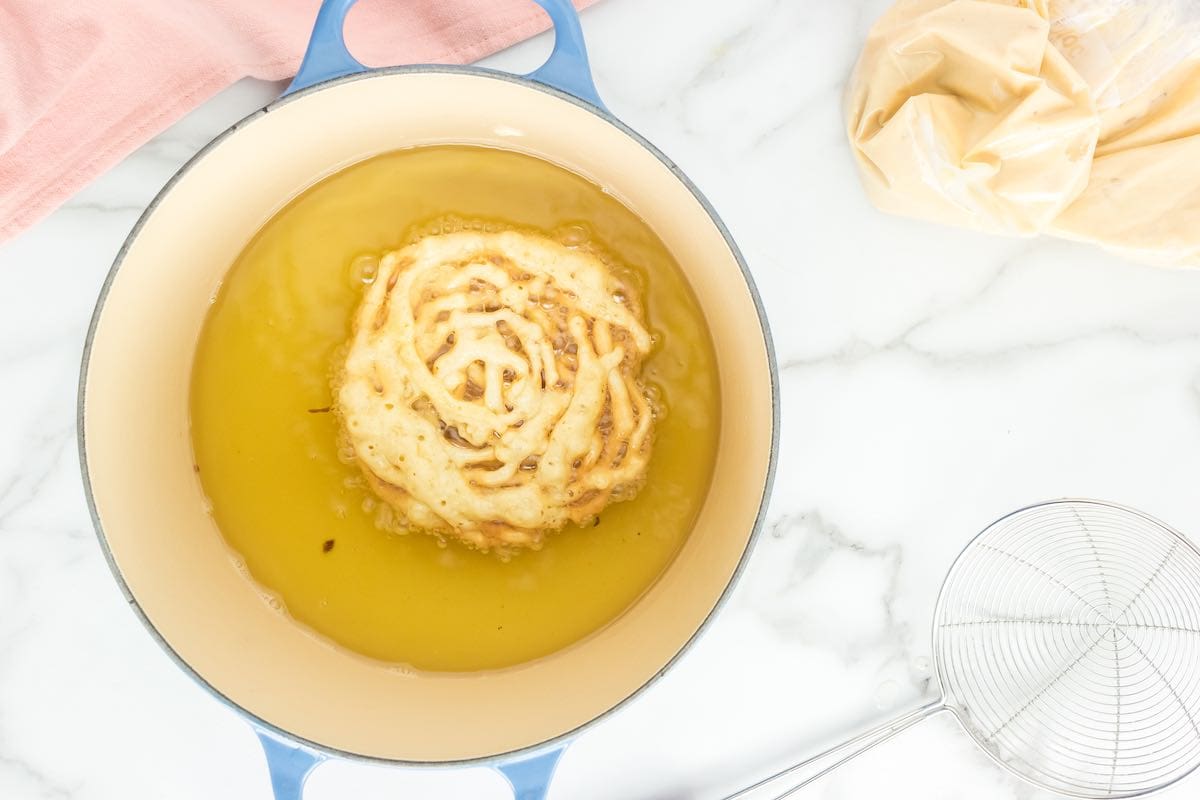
[149,503]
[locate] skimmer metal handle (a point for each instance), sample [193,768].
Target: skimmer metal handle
[828,760]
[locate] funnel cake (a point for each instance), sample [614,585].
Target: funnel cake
[491,387]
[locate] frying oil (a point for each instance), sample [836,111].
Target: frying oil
[301,519]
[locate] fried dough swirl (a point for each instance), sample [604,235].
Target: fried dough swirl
[491,387]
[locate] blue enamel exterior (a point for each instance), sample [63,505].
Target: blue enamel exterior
[530,776]
[566,69]
[289,764]
[327,57]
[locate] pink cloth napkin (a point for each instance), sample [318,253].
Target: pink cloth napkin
[84,82]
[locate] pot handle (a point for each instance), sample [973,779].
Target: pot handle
[530,777]
[566,69]
[289,764]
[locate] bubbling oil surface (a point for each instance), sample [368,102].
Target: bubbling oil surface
[266,444]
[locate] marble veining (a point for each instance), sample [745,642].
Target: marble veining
[932,380]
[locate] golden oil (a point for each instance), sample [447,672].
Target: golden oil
[266,442]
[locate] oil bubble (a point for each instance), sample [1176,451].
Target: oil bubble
[572,235]
[364,269]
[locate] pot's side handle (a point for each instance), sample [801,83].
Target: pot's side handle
[566,69]
[326,57]
[530,776]
[289,765]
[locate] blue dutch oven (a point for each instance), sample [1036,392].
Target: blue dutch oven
[307,699]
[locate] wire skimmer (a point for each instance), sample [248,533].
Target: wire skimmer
[1066,641]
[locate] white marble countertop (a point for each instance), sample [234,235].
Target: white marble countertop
[932,380]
